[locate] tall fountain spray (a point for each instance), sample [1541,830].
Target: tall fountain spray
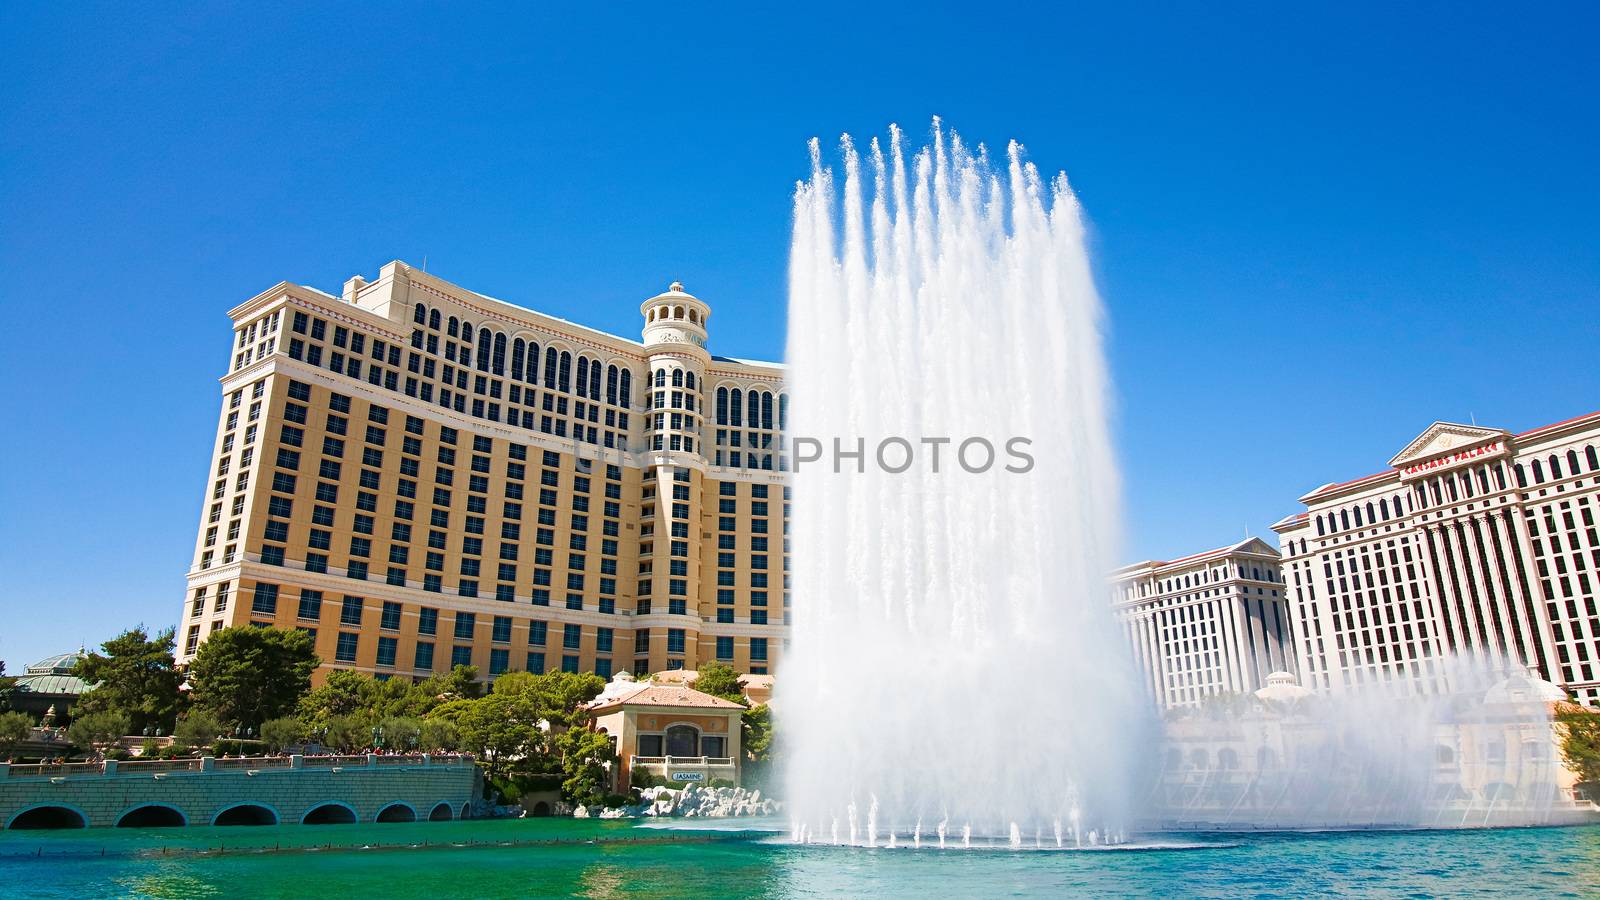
[955,505]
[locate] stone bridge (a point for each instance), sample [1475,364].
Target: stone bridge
[308,790]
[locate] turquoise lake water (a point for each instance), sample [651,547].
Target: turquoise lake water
[517,858]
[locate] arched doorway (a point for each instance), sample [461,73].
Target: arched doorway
[246,814]
[396,812]
[48,817]
[441,813]
[153,815]
[541,809]
[329,814]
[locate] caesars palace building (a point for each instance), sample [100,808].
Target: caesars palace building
[420,476]
[1474,540]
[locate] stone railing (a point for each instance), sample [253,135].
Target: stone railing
[714,761]
[162,767]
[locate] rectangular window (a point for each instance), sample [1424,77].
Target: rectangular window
[460,656]
[674,640]
[346,649]
[537,632]
[502,629]
[465,624]
[571,636]
[391,616]
[536,663]
[602,640]
[724,648]
[427,620]
[310,605]
[266,600]
[387,647]
[350,611]
[424,657]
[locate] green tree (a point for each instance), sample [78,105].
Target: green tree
[247,675]
[14,729]
[500,728]
[199,728]
[437,734]
[347,734]
[343,693]
[584,757]
[97,728]
[135,675]
[1580,743]
[281,732]
[720,680]
[401,733]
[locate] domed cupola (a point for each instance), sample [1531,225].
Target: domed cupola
[675,317]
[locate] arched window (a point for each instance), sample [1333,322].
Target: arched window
[1383,508]
[1320,532]
[722,406]
[1344,518]
[518,348]
[627,388]
[1555,467]
[455,327]
[783,412]
[1538,473]
[766,409]
[661,378]
[421,315]
[611,384]
[483,349]
[688,380]
[677,378]
[498,363]
[551,361]
[735,401]
[1358,516]
[433,319]
[754,419]
[683,740]
[594,379]
[1522,477]
[583,377]
[533,364]
[564,374]
[1594,460]
[1572,462]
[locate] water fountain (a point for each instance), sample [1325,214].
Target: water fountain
[954,505]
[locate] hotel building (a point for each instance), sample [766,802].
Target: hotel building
[1472,540]
[1212,623]
[421,476]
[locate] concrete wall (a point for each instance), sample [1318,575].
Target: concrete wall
[200,790]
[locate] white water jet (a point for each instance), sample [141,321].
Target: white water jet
[941,830]
[966,836]
[953,645]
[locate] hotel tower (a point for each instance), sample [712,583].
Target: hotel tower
[1472,540]
[420,476]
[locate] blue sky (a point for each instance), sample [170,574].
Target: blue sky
[1315,232]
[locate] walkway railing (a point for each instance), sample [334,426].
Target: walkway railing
[162,767]
[709,761]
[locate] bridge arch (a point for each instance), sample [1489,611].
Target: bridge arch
[330,812]
[48,816]
[152,815]
[441,812]
[398,811]
[246,814]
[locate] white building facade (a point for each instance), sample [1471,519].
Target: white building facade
[1212,623]
[1474,540]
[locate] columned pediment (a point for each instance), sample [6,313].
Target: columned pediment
[1445,443]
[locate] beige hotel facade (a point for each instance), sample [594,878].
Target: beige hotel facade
[1472,540]
[422,476]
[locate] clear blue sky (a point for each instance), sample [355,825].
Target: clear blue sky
[1316,232]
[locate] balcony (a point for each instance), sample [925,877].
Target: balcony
[688,769]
